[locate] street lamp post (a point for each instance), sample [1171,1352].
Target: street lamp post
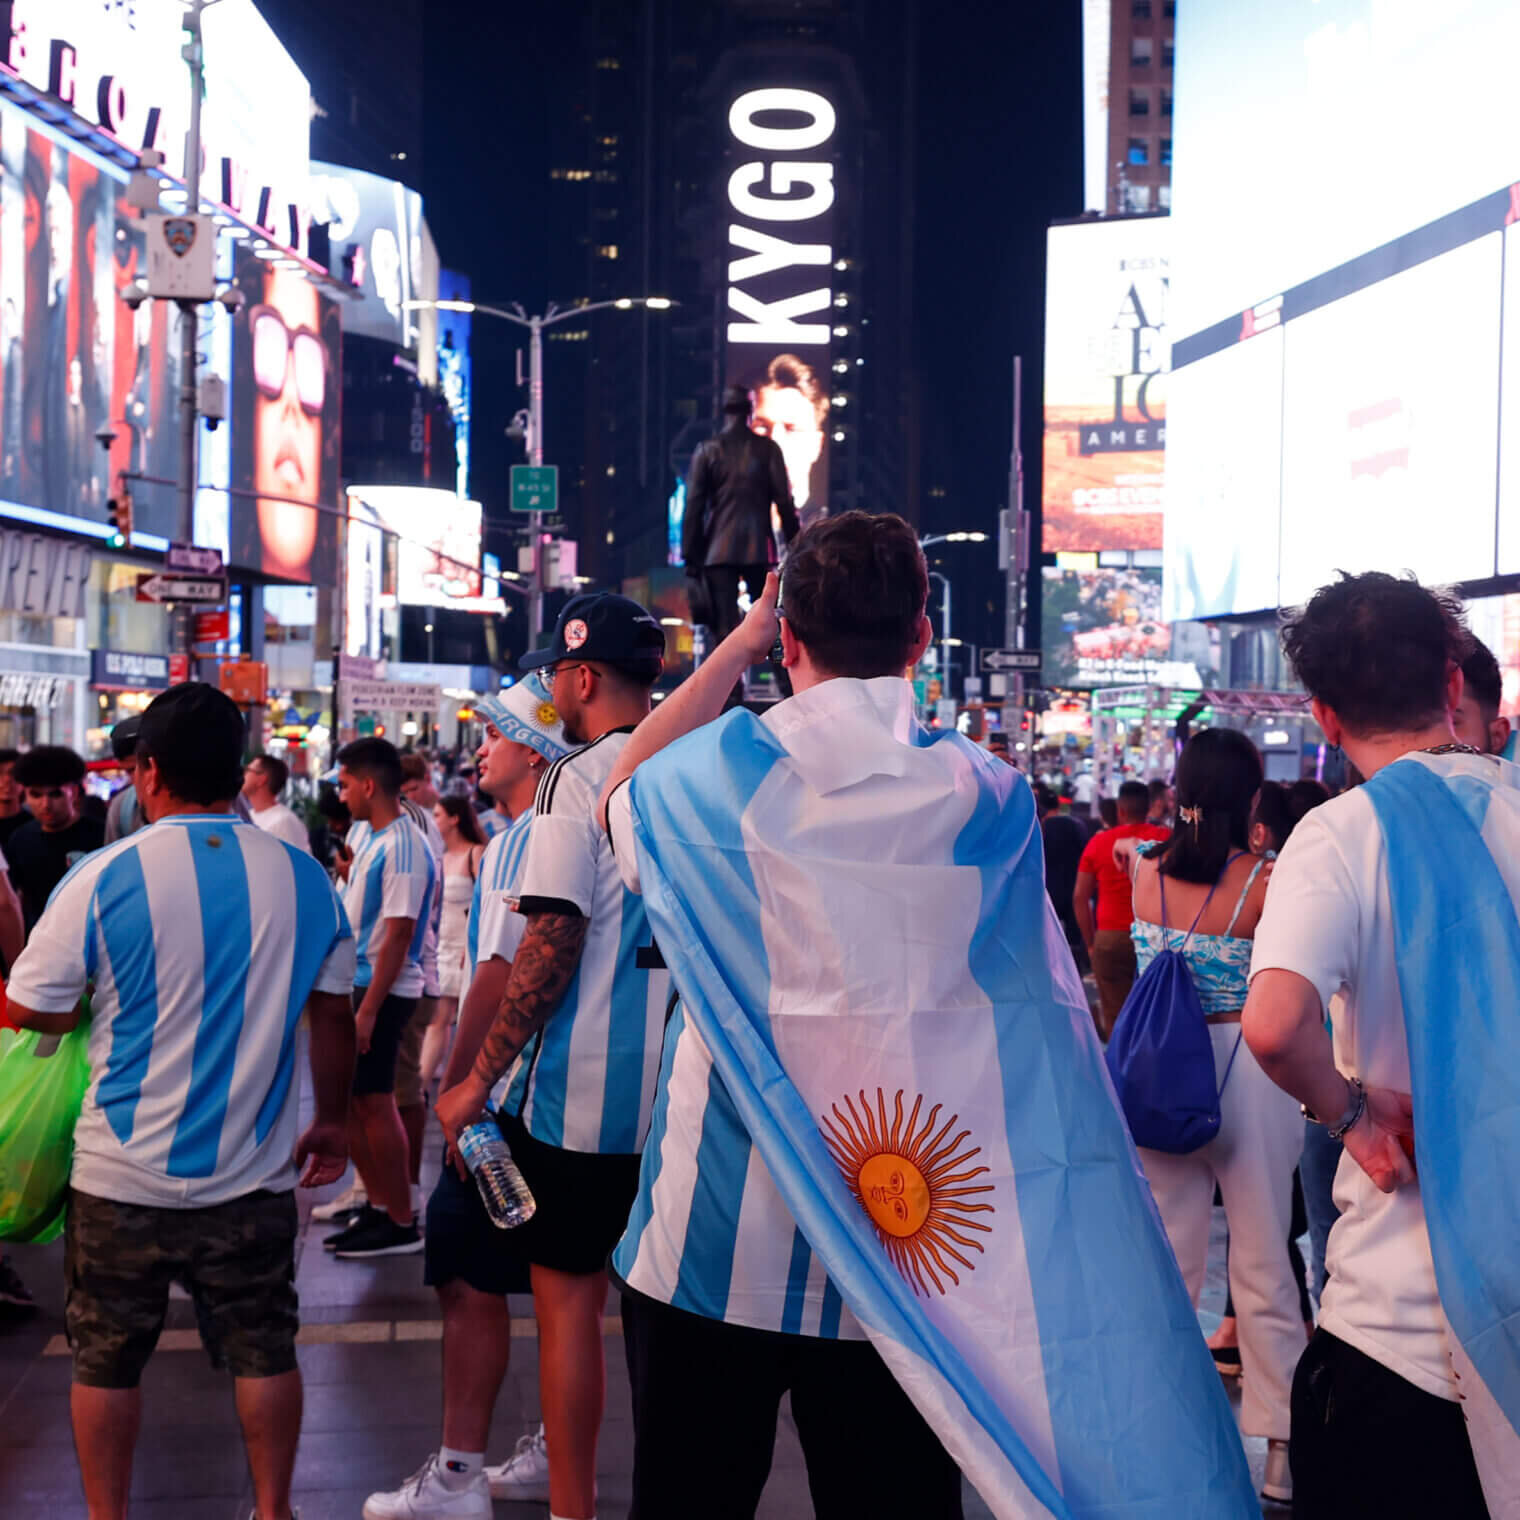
[536,324]
[944,633]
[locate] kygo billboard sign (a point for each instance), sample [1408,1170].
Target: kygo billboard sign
[780,198]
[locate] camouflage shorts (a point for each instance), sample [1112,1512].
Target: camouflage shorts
[236,1260]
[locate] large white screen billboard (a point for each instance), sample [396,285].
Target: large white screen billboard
[1345,174]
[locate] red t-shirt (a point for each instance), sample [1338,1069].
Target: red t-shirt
[1114,908]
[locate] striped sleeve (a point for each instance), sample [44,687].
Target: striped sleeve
[408,872]
[51,973]
[337,970]
[560,871]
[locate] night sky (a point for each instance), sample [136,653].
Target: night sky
[1000,139]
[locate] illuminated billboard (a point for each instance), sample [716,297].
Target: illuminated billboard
[1107,285]
[375,228]
[73,357]
[438,544]
[780,302]
[1105,628]
[287,381]
[1346,363]
[455,372]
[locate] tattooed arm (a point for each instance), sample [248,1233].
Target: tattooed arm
[541,971]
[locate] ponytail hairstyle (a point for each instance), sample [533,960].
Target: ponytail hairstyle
[1218,777]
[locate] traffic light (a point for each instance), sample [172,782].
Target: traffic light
[119,515]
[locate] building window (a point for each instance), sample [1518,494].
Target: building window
[1168,53]
[570,174]
[1164,197]
[1139,103]
[1169,9]
[607,251]
[1166,151]
[608,142]
[1139,197]
[1166,104]
[1140,10]
[609,63]
[1139,151]
[1140,52]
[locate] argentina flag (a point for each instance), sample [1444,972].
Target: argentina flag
[854,912]
[1457,939]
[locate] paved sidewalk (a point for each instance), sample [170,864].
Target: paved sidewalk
[370,1356]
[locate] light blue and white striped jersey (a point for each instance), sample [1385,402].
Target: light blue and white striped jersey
[203,937]
[425,825]
[392,876]
[588,1077]
[496,927]
[492,823]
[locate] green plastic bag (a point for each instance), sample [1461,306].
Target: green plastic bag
[42,1085]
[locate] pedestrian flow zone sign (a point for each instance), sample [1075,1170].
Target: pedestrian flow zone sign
[535,487]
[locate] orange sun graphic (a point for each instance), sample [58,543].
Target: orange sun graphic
[910,1181]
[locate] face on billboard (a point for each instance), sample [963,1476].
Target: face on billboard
[73,358]
[286,368]
[791,406]
[780,194]
[1106,358]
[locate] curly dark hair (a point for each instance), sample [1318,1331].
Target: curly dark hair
[1480,670]
[1378,650]
[853,591]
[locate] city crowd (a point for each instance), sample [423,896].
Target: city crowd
[782,1020]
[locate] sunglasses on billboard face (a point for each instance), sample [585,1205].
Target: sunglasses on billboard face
[276,347]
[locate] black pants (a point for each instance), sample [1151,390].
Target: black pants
[723,586]
[1368,1442]
[705,1397]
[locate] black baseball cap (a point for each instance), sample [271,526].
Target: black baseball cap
[124,737]
[600,625]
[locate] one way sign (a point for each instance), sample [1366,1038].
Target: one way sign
[997,662]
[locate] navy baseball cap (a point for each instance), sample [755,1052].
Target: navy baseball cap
[600,625]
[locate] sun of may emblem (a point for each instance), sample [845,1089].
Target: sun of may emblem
[914,1182]
[548,715]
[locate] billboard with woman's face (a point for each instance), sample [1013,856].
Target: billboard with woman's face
[287,376]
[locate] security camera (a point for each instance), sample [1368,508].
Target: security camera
[212,401]
[135,294]
[231,299]
[105,436]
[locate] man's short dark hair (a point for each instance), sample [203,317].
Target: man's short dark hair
[1134,800]
[853,592]
[9,756]
[375,759]
[50,765]
[639,675]
[1480,670]
[1045,799]
[276,772]
[194,735]
[413,766]
[1157,790]
[1377,650]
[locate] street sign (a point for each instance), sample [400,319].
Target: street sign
[179,669]
[973,688]
[245,681]
[535,487]
[997,661]
[192,559]
[391,696]
[213,627]
[944,710]
[155,586]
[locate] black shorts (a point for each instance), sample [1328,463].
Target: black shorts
[461,1244]
[375,1070]
[236,1259]
[583,1203]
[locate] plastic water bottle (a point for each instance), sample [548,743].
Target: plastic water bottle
[508,1199]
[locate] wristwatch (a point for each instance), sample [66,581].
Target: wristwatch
[1354,1111]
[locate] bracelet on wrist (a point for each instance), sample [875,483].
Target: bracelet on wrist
[1353,1111]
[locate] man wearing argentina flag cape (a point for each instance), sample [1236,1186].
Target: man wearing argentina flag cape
[886,1174]
[1400,896]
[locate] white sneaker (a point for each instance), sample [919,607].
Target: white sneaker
[345,1203]
[424,1497]
[524,1476]
[1278,1481]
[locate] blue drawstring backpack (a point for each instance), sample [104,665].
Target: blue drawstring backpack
[1160,1055]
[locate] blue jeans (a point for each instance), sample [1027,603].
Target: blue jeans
[1316,1170]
